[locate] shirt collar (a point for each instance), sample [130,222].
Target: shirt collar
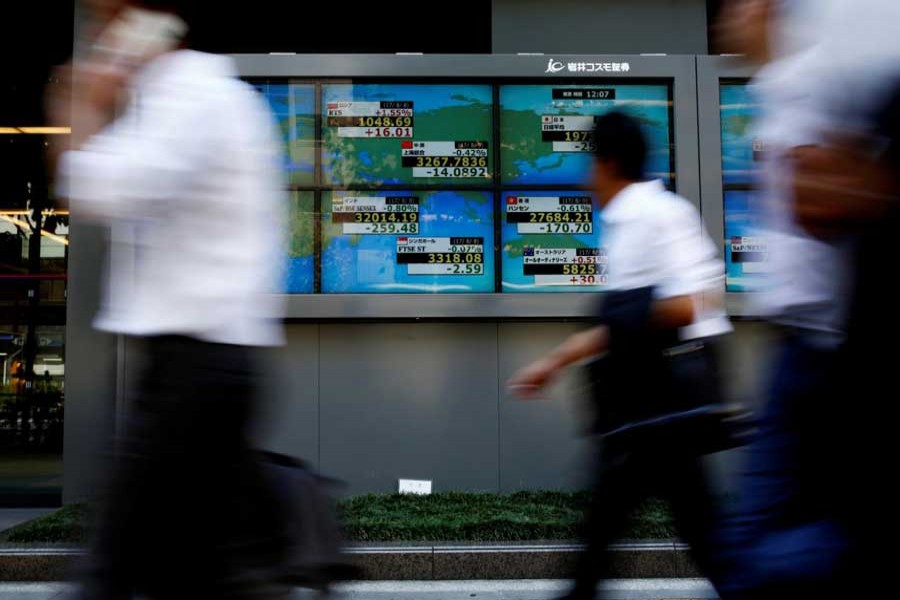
[627,202]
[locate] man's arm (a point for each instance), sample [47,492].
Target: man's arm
[672,313]
[86,96]
[839,188]
[133,170]
[529,381]
[667,313]
[691,273]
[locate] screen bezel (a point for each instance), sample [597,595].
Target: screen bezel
[712,72]
[677,71]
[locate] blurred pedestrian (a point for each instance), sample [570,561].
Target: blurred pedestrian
[788,537]
[850,187]
[180,159]
[658,391]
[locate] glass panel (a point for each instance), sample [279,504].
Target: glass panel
[301,274]
[294,107]
[33,262]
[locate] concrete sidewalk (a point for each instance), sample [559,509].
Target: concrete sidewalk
[635,589]
[664,559]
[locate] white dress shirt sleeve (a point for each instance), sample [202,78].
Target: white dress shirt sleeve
[688,261]
[136,165]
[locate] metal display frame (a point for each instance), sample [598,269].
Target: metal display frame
[711,71]
[679,71]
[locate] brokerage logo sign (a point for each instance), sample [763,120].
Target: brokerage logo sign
[556,66]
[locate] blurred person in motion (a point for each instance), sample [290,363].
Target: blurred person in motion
[790,535]
[180,159]
[658,391]
[849,186]
[782,539]
[97,14]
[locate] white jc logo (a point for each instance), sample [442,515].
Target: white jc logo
[554,66]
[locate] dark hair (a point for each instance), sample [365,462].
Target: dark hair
[618,138]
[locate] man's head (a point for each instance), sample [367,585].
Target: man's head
[102,10]
[619,155]
[105,10]
[769,30]
[745,27]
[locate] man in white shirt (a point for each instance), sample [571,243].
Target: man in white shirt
[785,535]
[653,238]
[660,319]
[187,179]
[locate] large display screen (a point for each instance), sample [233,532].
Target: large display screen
[407,134]
[407,242]
[746,247]
[294,107]
[452,187]
[551,242]
[546,131]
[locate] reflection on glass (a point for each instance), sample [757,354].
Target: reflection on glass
[301,252]
[741,151]
[17,228]
[32,399]
[33,256]
[546,130]
[407,242]
[294,108]
[375,134]
[34,248]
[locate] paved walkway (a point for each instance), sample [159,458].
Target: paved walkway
[631,589]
